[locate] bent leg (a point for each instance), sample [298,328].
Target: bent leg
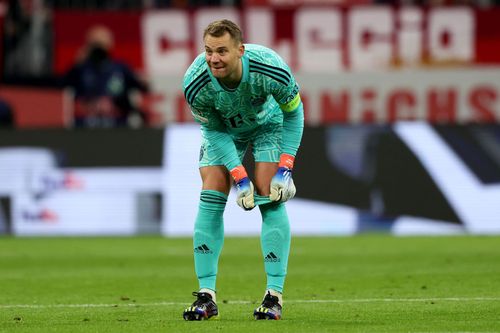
[275,234]
[275,243]
[264,173]
[208,237]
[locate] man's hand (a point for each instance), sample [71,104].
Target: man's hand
[245,197]
[245,188]
[282,186]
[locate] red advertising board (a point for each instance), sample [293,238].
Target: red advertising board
[295,3]
[488,35]
[348,38]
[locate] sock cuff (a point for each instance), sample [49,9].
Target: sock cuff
[272,208]
[213,199]
[261,200]
[215,194]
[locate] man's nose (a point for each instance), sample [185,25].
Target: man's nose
[214,57]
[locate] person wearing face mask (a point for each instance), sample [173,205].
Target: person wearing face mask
[101,86]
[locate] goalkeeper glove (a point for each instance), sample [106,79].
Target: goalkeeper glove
[244,186]
[282,186]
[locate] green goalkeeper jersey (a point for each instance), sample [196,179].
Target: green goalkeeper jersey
[267,93]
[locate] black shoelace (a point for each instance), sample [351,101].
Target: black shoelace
[270,301]
[203,298]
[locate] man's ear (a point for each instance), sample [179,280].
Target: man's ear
[241,50]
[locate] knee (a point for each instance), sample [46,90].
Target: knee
[263,189]
[216,178]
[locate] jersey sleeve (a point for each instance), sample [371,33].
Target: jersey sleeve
[286,93]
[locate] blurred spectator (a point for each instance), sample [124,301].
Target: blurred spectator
[99,4]
[102,87]
[6,115]
[27,39]
[190,3]
[431,3]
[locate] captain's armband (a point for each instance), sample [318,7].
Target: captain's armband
[291,104]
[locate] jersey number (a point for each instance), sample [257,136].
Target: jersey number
[235,121]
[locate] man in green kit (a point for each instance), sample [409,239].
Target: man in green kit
[242,94]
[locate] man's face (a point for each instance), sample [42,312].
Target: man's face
[223,57]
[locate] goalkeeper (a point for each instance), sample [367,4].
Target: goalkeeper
[242,95]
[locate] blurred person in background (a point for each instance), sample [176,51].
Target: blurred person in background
[242,95]
[6,115]
[100,4]
[436,3]
[27,41]
[102,87]
[191,3]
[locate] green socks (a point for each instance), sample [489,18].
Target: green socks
[208,237]
[275,243]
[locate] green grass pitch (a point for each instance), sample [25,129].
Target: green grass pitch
[368,283]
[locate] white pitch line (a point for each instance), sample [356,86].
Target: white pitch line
[361,300]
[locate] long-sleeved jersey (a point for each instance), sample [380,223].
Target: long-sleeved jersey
[266,94]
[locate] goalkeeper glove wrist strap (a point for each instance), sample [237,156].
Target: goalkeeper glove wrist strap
[238,173]
[286,161]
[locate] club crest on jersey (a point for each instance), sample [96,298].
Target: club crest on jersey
[202,152]
[199,115]
[257,100]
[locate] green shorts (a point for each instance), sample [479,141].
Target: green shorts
[265,141]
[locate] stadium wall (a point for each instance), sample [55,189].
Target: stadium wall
[99,182]
[403,178]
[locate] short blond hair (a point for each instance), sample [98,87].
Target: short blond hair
[220,27]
